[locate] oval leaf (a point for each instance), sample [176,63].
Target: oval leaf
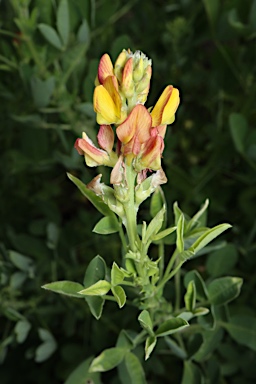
[242,329]
[146,322]
[149,346]
[107,225]
[94,199]
[98,289]
[171,326]
[190,296]
[68,288]
[134,368]
[119,295]
[224,289]
[117,275]
[50,35]
[63,21]
[107,360]
[81,374]
[208,236]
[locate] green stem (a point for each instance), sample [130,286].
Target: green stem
[161,257]
[130,211]
[177,290]
[122,237]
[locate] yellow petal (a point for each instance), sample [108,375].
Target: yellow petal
[171,107]
[158,109]
[104,106]
[111,85]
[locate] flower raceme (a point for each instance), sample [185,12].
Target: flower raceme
[120,93]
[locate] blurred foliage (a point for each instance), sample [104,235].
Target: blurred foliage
[49,52]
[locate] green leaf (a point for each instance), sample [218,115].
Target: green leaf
[95,271]
[212,10]
[224,289]
[211,340]
[171,326]
[117,275]
[22,329]
[239,130]
[236,23]
[63,21]
[149,346]
[195,220]
[201,290]
[124,340]
[175,348]
[94,199]
[156,202]
[242,329]
[108,359]
[154,225]
[50,35]
[185,256]
[65,287]
[22,262]
[208,236]
[107,225]
[81,374]
[177,212]
[146,322]
[180,233]
[134,368]
[222,261]
[164,233]
[191,374]
[190,296]
[252,16]
[42,90]
[98,289]
[83,34]
[47,348]
[119,295]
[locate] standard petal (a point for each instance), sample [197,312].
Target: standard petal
[105,106]
[171,107]
[138,124]
[158,109]
[106,137]
[105,68]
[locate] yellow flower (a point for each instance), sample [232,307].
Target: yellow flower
[166,106]
[107,102]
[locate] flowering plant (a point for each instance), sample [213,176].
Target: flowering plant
[131,142]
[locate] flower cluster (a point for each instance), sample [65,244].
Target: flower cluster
[119,97]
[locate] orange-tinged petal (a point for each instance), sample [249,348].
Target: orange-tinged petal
[106,137]
[138,124]
[152,152]
[105,68]
[158,109]
[171,107]
[93,155]
[127,79]
[107,112]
